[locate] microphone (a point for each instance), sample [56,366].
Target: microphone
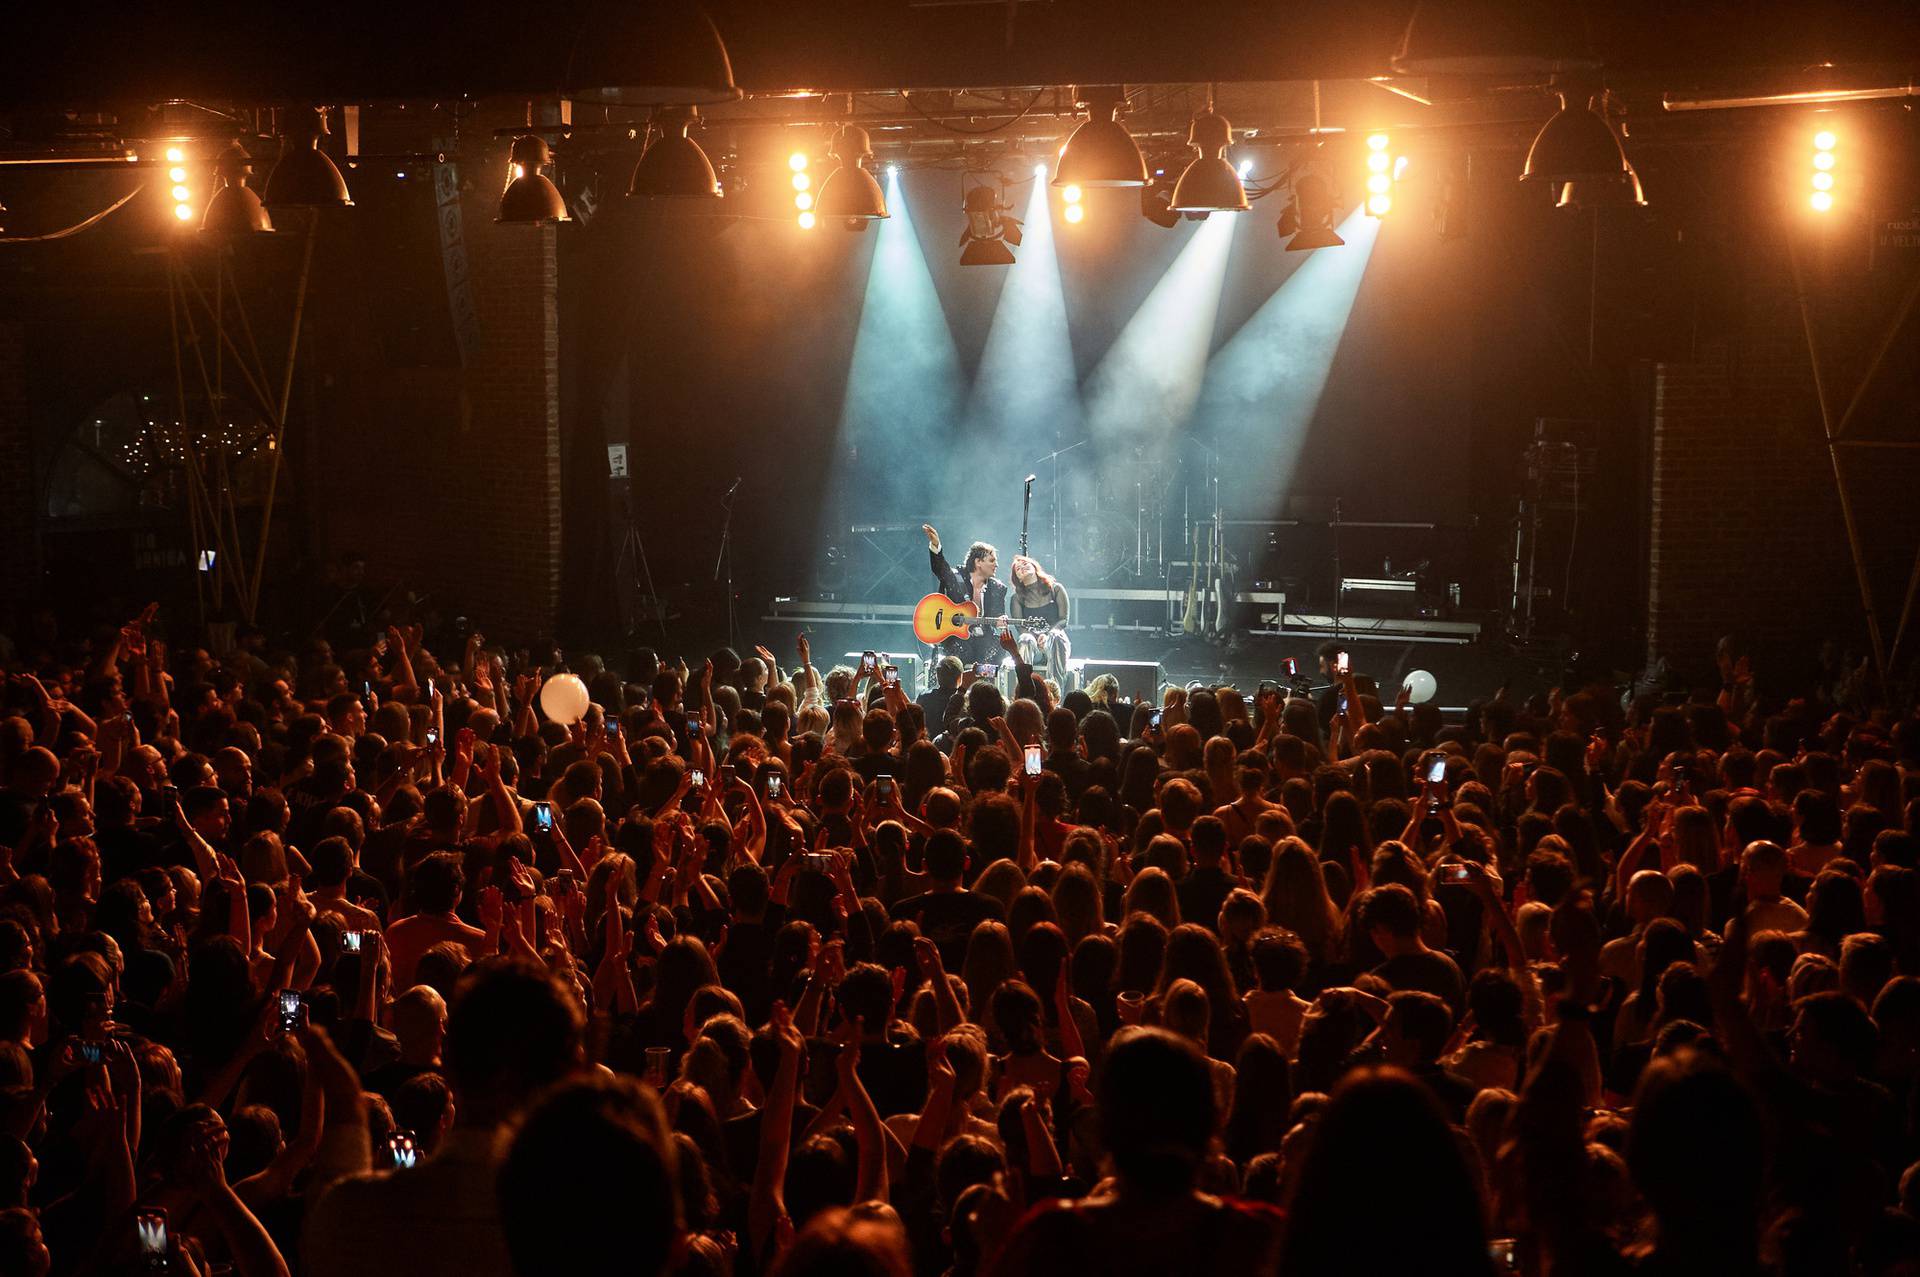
[1030,478]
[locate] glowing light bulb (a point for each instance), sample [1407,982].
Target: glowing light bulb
[1071,194]
[1823,159]
[1824,140]
[1821,201]
[181,194]
[803,201]
[1379,183]
[1378,205]
[801,181]
[1076,212]
[175,155]
[1246,168]
[806,221]
[1039,170]
[893,170]
[176,174]
[1823,181]
[1377,142]
[183,211]
[797,161]
[1378,161]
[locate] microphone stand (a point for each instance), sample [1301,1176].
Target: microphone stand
[1338,592]
[724,560]
[1053,459]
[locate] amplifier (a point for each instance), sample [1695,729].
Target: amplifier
[1139,680]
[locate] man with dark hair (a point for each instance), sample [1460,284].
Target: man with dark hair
[973,583]
[947,912]
[434,889]
[1413,1036]
[513,1032]
[621,1212]
[946,680]
[1206,884]
[332,864]
[1390,917]
[877,735]
[1156,1119]
[894,1072]
[743,961]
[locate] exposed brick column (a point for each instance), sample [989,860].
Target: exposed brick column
[17,494]
[1746,534]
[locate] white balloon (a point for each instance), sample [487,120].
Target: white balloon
[1420,686]
[564,698]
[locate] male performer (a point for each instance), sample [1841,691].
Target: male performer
[973,583]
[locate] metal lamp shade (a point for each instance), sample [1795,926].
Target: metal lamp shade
[1210,185]
[649,53]
[532,197]
[235,210]
[1623,190]
[1576,144]
[850,193]
[1100,153]
[306,177]
[674,167]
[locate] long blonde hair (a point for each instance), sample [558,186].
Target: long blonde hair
[1296,898]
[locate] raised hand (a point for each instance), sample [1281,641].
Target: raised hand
[933,538]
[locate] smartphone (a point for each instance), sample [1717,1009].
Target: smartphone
[773,785]
[869,658]
[1033,760]
[352,941]
[367,687]
[1343,702]
[169,794]
[429,689]
[293,1009]
[150,1227]
[1290,667]
[613,729]
[90,1052]
[1155,720]
[819,860]
[985,669]
[699,778]
[403,1154]
[1457,872]
[562,883]
[1437,769]
[1267,685]
[1505,1253]
[433,736]
[543,818]
[728,774]
[883,786]
[890,674]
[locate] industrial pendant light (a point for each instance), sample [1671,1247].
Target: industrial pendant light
[1210,184]
[849,192]
[674,166]
[305,176]
[660,52]
[1100,152]
[1577,144]
[531,196]
[234,209]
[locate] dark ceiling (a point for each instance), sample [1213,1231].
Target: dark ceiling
[99,53]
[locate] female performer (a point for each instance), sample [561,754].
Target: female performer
[1035,594]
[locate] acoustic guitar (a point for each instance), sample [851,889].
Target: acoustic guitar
[937,618]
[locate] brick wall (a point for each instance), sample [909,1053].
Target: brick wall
[16,475]
[449,478]
[1747,536]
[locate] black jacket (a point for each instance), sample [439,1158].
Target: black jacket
[993,602]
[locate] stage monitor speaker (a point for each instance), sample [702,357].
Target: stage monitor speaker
[1139,680]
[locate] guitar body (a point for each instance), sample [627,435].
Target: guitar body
[937,618]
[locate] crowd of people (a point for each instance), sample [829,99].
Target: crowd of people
[388,961]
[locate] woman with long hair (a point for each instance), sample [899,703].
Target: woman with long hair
[1194,953]
[988,964]
[1296,898]
[1152,892]
[1262,1100]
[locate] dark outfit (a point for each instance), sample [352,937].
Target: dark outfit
[993,602]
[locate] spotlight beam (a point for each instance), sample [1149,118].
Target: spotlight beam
[1264,386]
